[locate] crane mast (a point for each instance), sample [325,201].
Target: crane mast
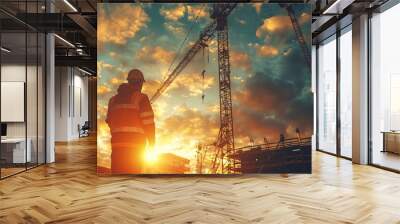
[225,142]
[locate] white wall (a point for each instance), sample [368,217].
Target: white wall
[13,73]
[33,127]
[16,73]
[61,104]
[80,110]
[71,94]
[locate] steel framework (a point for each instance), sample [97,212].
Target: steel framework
[224,146]
[225,142]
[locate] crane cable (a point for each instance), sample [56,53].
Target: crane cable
[184,40]
[202,76]
[203,61]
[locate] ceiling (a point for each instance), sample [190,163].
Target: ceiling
[74,22]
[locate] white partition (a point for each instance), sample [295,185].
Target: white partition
[12,101]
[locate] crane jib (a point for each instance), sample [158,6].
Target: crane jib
[205,36]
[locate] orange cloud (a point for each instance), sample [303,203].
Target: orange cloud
[279,24]
[176,13]
[103,144]
[266,50]
[274,24]
[101,110]
[214,108]
[175,27]
[196,11]
[305,18]
[101,65]
[192,83]
[240,60]
[150,87]
[155,55]
[102,90]
[183,131]
[116,81]
[173,14]
[212,46]
[124,21]
[257,7]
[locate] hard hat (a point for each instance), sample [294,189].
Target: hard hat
[135,75]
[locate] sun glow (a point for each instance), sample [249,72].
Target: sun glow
[151,156]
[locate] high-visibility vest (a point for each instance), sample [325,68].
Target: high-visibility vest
[126,117]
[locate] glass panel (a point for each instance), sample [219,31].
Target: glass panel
[31,98]
[385,128]
[23,90]
[13,86]
[41,99]
[346,94]
[327,96]
[32,88]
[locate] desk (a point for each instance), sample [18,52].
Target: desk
[391,141]
[13,150]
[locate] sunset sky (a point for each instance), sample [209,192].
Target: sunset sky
[270,79]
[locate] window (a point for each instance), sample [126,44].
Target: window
[385,89]
[327,96]
[22,87]
[346,93]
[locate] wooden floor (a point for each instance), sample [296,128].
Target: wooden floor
[387,159]
[5,172]
[69,191]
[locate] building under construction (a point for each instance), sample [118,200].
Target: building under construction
[287,156]
[292,155]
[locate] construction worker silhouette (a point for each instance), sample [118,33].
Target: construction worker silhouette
[131,121]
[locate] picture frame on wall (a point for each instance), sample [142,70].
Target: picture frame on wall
[204,88]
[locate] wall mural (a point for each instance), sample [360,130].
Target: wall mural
[204,88]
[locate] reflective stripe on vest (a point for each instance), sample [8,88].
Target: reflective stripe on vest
[146,114]
[127,145]
[128,129]
[124,106]
[148,121]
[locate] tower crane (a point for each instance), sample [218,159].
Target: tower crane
[219,26]
[224,144]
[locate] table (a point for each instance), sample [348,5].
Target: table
[391,141]
[13,150]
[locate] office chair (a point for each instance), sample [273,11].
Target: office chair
[84,130]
